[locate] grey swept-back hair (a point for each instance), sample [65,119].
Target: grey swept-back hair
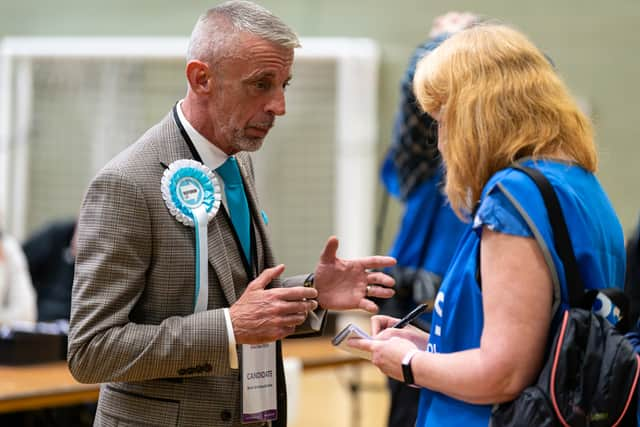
[220,24]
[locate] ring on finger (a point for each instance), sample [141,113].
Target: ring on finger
[368,289]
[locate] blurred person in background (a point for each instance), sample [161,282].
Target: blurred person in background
[17,296]
[499,101]
[51,254]
[429,231]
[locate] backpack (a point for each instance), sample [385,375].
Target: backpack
[590,373]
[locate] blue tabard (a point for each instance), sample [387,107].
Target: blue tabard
[597,240]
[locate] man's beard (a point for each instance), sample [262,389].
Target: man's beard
[242,142]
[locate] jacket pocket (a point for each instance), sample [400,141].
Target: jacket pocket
[137,410]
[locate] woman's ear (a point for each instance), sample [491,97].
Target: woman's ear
[199,77]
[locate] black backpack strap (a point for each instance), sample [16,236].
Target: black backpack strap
[560,234]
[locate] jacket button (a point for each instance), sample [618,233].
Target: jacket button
[225,415]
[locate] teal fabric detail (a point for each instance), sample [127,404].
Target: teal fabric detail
[237,203]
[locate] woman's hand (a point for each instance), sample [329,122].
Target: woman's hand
[382,328]
[386,354]
[389,345]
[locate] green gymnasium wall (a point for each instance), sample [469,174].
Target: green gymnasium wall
[595,45]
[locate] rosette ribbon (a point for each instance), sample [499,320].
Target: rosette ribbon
[192,194]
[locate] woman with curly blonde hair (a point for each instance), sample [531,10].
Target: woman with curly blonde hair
[498,101]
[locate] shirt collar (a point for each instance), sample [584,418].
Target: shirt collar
[211,155]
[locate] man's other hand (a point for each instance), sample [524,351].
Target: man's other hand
[344,284]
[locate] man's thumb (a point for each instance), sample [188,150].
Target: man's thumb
[266,277]
[330,251]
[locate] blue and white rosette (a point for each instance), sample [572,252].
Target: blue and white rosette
[192,193]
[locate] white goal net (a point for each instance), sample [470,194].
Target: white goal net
[67,105]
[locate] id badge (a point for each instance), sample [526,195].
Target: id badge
[259,394]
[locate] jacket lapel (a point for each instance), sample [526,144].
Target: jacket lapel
[219,256]
[176,148]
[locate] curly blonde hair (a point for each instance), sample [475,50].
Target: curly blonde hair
[498,99]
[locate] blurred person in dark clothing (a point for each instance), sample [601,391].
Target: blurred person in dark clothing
[50,254]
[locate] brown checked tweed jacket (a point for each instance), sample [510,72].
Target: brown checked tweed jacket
[132,322]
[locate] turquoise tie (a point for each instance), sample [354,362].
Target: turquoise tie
[237,203]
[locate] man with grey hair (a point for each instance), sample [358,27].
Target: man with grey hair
[178,307]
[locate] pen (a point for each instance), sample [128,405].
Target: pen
[412,315]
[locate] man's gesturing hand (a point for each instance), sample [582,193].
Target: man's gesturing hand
[264,315]
[344,284]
